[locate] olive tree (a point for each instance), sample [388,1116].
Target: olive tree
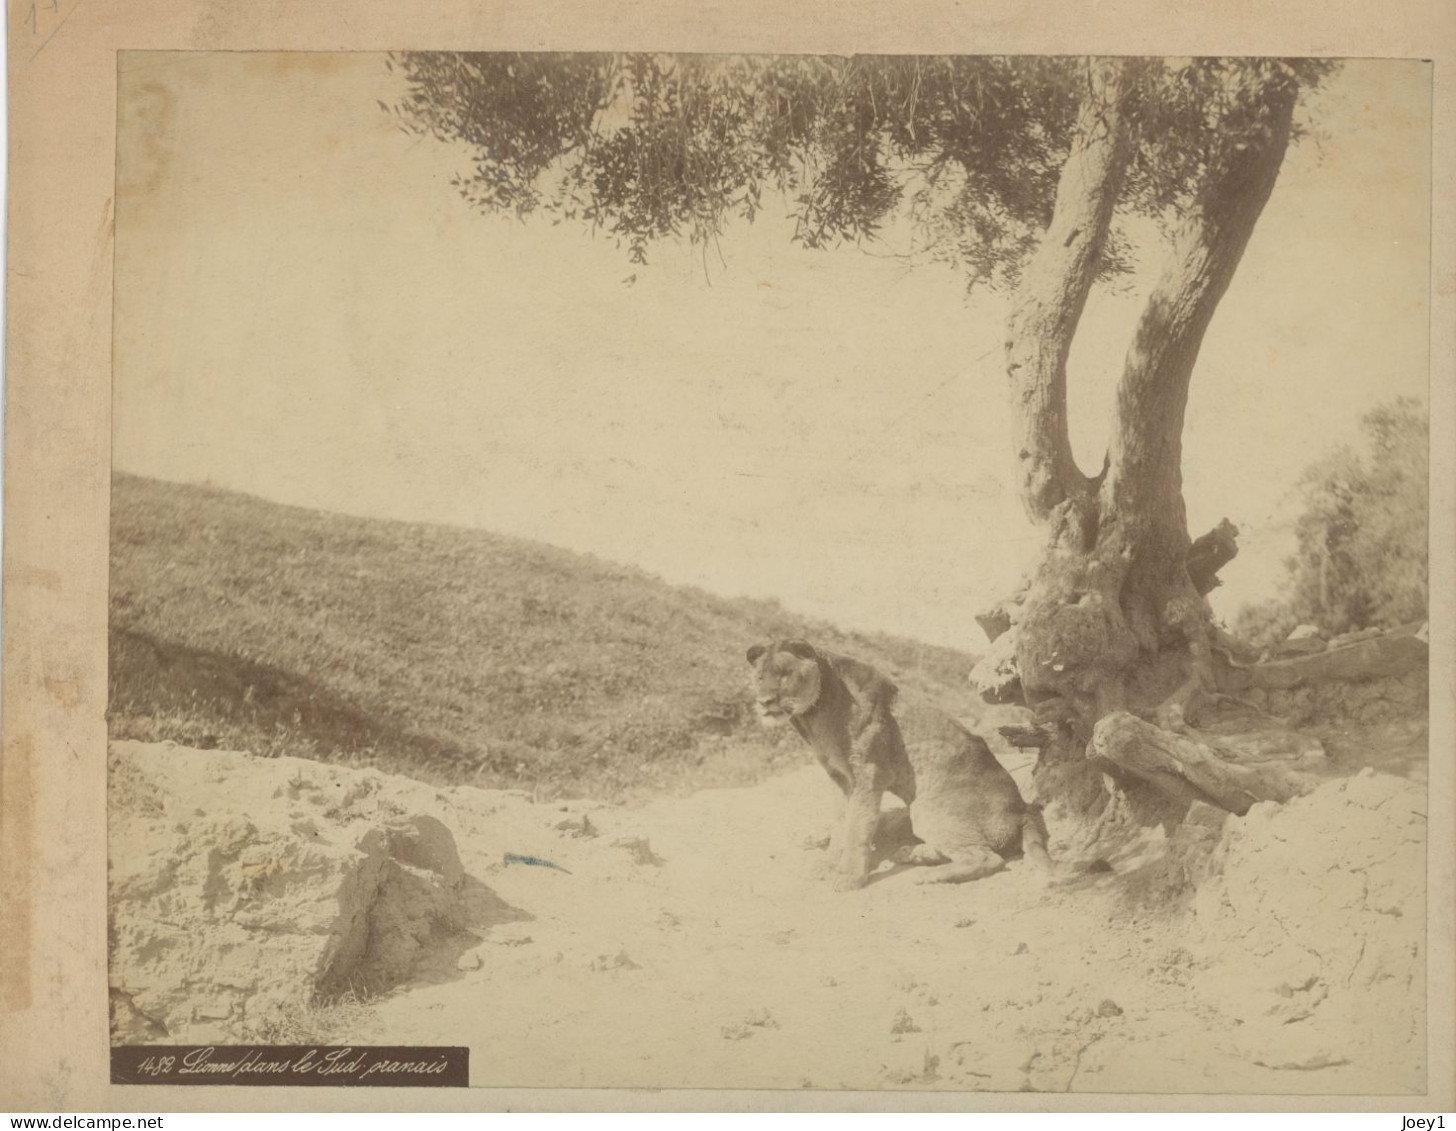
[1022,172]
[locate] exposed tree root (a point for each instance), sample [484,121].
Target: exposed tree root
[1380,657]
[1231,771]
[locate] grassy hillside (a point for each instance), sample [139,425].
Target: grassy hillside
[447,654]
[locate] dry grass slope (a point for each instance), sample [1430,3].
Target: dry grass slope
[447,654]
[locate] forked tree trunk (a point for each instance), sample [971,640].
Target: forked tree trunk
[1112,619]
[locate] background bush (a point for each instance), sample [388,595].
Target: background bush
[1361,558]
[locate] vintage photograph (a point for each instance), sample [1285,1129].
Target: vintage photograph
[775,571]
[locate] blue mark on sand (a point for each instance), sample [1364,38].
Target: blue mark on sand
[535,861]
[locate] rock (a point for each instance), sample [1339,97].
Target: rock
[640,850]
[470,960]
[241,886]
[1108,1008]
[619,961]
[1345,639]
[577,827]
[1303,640]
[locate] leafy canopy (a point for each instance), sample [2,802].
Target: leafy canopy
[649,146]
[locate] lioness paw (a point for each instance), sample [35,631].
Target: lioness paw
[846,882]
[921,854]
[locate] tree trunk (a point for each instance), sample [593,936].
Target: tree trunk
[1113,619]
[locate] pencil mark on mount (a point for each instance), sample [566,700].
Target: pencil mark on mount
[34,17]
[534,861]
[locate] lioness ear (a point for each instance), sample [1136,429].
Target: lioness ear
[801,648]
[755,652]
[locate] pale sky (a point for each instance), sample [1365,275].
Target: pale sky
[306,311]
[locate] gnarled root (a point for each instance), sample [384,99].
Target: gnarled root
[1230,771]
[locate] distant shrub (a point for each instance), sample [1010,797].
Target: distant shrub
[1361,557]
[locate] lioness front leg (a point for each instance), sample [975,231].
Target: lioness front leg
[831,838]
[861,818]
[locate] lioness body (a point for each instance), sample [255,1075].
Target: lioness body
[964,806]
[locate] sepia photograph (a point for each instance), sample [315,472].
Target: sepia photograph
[774,571]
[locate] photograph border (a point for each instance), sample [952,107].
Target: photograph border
[62,86]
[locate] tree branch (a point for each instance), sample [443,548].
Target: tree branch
[1054,287]
[1147,448]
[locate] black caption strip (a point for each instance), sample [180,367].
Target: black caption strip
[331,1066]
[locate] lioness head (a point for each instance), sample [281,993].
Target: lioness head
[785,680]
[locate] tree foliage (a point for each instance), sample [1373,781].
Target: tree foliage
[1361,557]
[647,147]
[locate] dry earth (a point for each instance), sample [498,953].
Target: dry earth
[694,943]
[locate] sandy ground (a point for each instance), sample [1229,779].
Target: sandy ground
[715,955]
[696,942]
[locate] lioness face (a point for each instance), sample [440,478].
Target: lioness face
[785,680]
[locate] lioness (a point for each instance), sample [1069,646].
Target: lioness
[964,807]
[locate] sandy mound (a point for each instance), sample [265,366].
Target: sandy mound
[241,886]
[1312,930]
